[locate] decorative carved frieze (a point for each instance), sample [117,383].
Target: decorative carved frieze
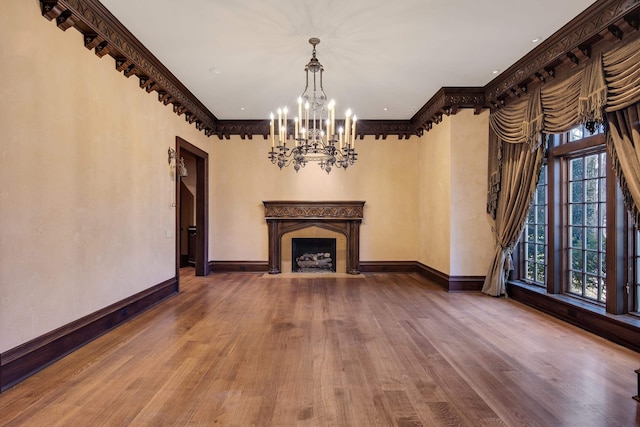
[447,101]
[313,210]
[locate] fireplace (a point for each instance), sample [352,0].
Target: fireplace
[313,255]
[342,218]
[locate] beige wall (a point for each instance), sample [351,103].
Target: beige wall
[385,177]
[472,243]
[435,197]
[86,195]
[455,231]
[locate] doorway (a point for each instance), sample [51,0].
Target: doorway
[195,212]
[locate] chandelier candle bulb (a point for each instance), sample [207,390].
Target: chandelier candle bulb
[353,136]
[271,132]
[295,129]
[300,108]
[286,124]
[279,126]
[347,127]
[329,134]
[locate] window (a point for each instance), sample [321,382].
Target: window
[573,229]
[534,241]
[635,290]
[586,221]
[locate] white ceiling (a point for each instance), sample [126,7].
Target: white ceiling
[244,58]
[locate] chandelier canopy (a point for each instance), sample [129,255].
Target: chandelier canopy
[315,138]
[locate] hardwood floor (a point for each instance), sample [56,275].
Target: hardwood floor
[377,350]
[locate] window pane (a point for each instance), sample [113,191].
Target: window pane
[592,217]
[575,283]
[575,169]
[591,287]
[576,134]
[592,238]
[576,237]
[592,190]
[541,215]
[540,274]
[576,259]
[541,236]
[592,166]
[591,262]
[577,192]
[531,251]
[576,214]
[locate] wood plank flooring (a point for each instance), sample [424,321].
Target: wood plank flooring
[377,350]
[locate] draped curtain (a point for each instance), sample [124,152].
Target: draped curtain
[609,82]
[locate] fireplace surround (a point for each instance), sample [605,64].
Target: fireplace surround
[343,217]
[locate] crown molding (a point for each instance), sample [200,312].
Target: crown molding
[602,24]
[104,34]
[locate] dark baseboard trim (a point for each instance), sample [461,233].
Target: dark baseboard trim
[25,360]
[451,283]
[388,266]
[622,329]
[238,266]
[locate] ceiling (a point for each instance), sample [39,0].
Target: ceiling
[383,59]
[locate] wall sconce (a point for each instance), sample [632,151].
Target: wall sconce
[181,169]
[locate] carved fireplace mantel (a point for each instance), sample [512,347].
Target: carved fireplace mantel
[342,217]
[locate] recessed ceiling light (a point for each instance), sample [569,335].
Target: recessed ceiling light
[536,39]
[385,109]
[495,71]
[241,108]
[215,70]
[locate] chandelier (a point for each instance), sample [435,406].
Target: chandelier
[314,128]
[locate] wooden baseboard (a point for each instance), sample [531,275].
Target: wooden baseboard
[238,266]
[451,283]
[25,360]
[388,266]
[621,329]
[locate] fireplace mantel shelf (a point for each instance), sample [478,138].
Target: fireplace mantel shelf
[284,216]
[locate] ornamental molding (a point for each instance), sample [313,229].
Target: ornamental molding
[606,20]
[600,26]
[347,210]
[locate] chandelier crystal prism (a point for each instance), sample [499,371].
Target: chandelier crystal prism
[315,137]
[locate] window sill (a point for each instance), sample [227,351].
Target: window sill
[623,329]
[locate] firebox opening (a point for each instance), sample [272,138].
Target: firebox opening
[313,255]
